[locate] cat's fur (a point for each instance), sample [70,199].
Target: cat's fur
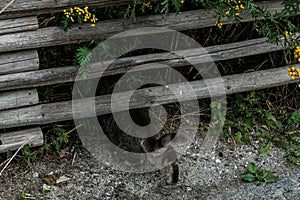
[164,154]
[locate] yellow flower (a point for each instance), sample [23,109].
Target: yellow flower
[93,25]
[293,77]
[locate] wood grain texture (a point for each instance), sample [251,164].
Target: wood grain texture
[22,8]
[18,25]
[13,140]
[22,61]
[18,98]
[62,111]
[84,32]
[68,74]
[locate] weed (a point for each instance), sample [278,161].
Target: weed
[47,93]
[26,158]
[134,197]
[293,71]
[248,115]
[57,138]
[29,156]
[244,116]
[79,15]
[258,175]
[289,141]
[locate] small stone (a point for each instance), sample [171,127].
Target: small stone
[35,175]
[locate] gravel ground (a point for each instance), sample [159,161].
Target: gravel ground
[215,176]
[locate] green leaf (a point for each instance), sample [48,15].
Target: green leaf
[294,118]
[264,173]
[265,149]
[252,168]
[258,183]
[0,142]
[9,154]
[248,177]
[271,177]
[281,144]
[215,104]
[238,137]
[252,93]
[297,151]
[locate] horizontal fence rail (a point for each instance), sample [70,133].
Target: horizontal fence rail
[18,25]
[21,8]
[21,61]
[18,98]
[14,140]
[53,36]
[62,111]
[68,74]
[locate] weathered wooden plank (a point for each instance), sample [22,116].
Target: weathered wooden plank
[19,98]
[12,141]
[68,74]
[84,32]
[18,25]
[22,61]
[61,111]
[22,8]
[37,78]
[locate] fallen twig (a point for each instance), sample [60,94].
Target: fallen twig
[5,7]
[12,158]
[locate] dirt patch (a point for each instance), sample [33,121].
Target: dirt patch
[215,176]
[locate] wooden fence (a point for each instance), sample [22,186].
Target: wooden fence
[20,37]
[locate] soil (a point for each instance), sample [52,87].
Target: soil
[214,176]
